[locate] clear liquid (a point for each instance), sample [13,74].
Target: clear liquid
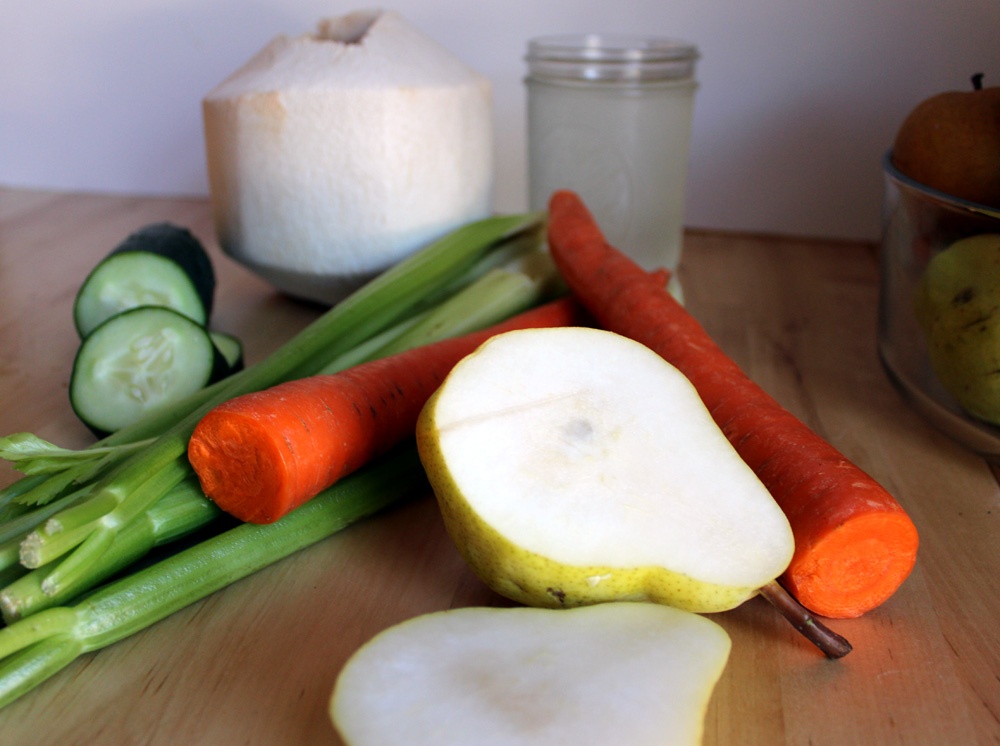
[624,149]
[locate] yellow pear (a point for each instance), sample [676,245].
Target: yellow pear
[635,674]
[575,466]
[957,304]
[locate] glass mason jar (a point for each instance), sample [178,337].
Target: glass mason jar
[610,118]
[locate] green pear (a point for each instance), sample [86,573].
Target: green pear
[575,466]
[634,674]
[957,304]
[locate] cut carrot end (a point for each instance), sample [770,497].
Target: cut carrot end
[856,567]
[239,467]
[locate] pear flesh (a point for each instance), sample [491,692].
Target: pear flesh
[575,466]
[634,674]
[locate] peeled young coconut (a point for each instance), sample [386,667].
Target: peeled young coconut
[333,155]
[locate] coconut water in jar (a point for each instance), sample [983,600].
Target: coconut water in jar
[610,118]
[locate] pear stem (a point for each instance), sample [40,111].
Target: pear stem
[832,644]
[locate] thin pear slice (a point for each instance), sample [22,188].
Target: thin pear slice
[624,673]
[575,466]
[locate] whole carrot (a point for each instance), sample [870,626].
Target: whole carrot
[261,455]
[855,544]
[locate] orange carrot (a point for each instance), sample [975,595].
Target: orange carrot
[661,275]
[261,455]
[855,544]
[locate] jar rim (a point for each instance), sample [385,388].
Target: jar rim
[610,57]
[596,47]
[910,184]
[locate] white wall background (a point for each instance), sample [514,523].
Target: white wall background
[798,100]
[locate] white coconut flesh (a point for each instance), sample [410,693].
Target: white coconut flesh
[333,155]
[636,674]
[589,449]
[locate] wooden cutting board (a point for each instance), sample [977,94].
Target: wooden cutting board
[256,662]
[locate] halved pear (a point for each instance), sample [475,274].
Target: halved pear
[575,466]
[636,674]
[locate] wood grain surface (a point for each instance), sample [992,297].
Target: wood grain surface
[255,663]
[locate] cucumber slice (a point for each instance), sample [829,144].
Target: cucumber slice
[137,362]
[159,265]
[231,349]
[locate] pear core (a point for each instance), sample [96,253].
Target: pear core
[575,466]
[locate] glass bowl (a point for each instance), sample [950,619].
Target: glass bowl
[920,222]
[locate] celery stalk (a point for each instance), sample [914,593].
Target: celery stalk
[11,574]
[11,494]
[43,488]
[498,295]
[91,526]
[20,525]
[33,649]
[9,554]
[180,512]
[43,545]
